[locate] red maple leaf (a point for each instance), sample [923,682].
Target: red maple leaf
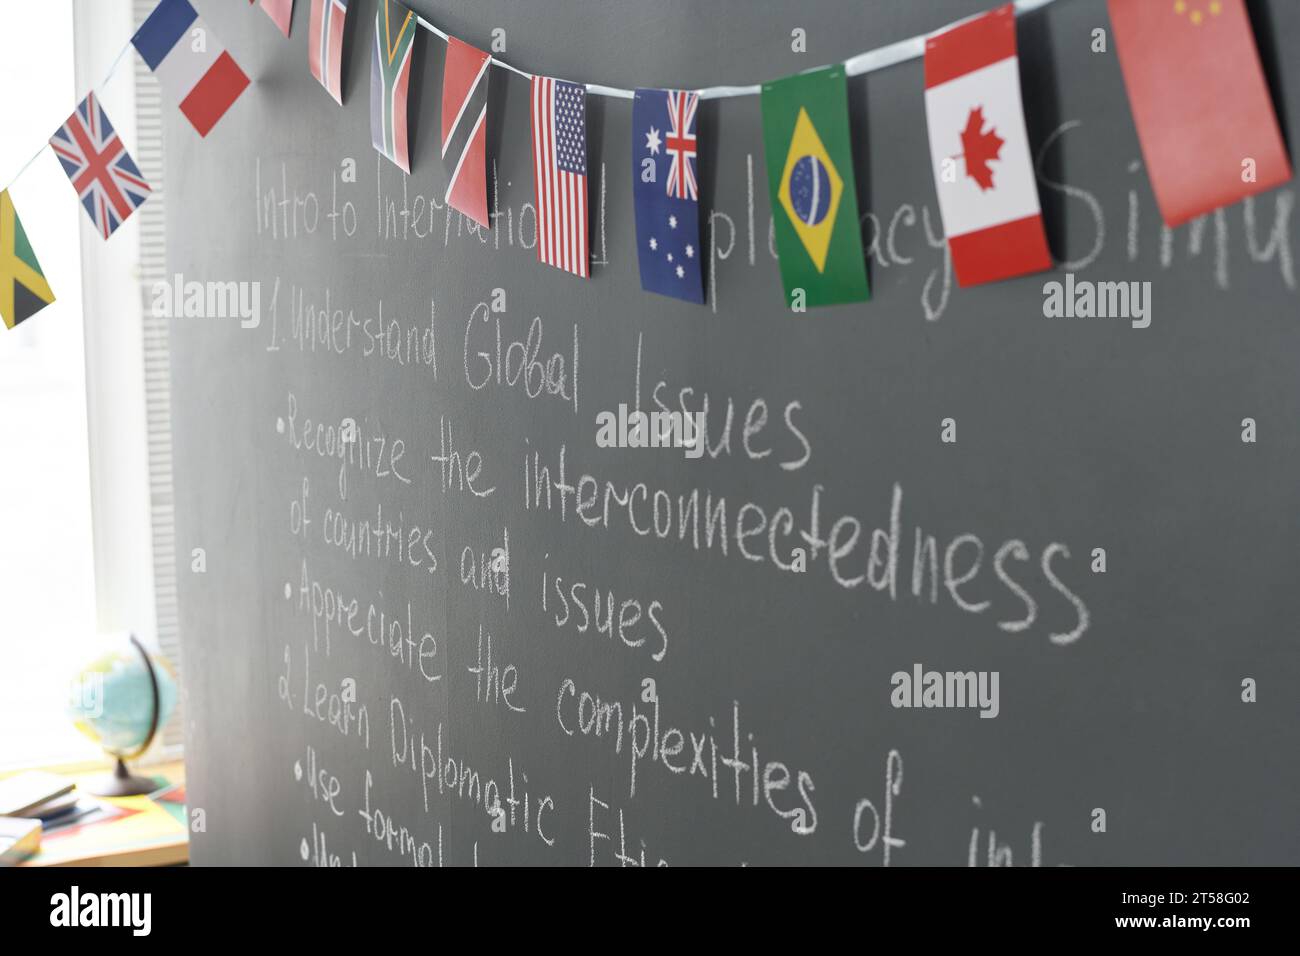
[981,146]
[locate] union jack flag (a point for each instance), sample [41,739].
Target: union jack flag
[680,144]
[106,178]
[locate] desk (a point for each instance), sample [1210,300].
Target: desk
[148,835]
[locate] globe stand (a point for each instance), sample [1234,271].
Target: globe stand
[121,782]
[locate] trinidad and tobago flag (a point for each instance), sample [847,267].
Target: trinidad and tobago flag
[464,129]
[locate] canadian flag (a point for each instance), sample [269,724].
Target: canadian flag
[979,151]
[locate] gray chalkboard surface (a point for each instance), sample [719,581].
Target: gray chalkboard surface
[471,634]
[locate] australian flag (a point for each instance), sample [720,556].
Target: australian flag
[666,192]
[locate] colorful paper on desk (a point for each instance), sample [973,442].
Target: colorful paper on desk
[88,811]
[137,823]
[172,799]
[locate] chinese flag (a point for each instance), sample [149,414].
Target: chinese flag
[1207,127]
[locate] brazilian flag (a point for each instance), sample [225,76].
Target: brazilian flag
[23,289]
[814,199]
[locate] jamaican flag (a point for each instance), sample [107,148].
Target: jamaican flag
[814,200]
[23,289]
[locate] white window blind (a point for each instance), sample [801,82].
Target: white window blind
[149,110]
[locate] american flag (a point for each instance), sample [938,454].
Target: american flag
[680,143]
[560,173]
[106,178]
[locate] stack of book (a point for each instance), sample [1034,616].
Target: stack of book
[34,803]
[19,840]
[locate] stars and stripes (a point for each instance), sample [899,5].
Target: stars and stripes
[325,44]
[680,144]
[108,181]
[559,122]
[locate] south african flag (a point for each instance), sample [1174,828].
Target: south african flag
[390,76]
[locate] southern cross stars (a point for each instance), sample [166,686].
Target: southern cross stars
[689,249]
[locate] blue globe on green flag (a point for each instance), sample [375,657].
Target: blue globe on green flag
[810,190]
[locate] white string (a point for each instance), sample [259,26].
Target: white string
[867,62]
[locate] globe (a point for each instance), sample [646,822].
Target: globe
[810,190]
[119,699]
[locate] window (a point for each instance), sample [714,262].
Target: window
[85,477]
[47,583]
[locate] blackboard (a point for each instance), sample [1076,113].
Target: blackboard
[340,703]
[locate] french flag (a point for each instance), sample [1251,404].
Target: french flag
[192,67]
